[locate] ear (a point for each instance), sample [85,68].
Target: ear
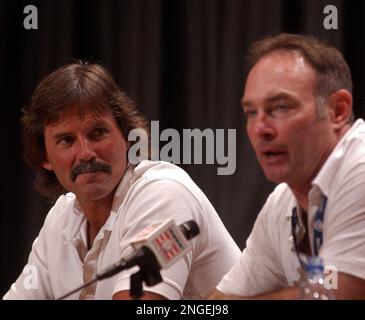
[340,107]
[46,165]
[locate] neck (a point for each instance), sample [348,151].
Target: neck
[302,199]
[97,213]
[301,190]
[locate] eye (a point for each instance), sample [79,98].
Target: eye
[250,112]
[98,133]
[66,141]
[280,109]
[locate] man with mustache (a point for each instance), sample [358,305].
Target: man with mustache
[75,136]
[298,105]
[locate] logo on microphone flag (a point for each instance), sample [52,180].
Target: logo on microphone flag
[169,245]
[166,240]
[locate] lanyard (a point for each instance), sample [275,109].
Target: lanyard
[317,234]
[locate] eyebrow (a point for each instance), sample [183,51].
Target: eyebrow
[276,97]
[60,135]
[245,103]
[98,123]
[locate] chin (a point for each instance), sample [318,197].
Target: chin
[93,193]
[275,177]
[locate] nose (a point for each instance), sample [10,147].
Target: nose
[261,127]
[86,150]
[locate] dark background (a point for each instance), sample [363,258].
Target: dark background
[182,61]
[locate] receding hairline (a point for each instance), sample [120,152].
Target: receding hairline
[303,67]
[326,60]
[289,52]
[308,45]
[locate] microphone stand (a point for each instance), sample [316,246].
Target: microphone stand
[149,273]
[136,286]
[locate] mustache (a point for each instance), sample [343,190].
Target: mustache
[88,167]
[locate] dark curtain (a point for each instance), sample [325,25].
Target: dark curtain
[182,61]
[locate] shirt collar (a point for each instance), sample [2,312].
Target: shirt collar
[73,230]
[75,227]
[325,178]
[323,181]
[122,189]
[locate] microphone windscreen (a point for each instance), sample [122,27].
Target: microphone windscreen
[190,229]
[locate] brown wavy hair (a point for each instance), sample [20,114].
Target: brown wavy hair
[87,87]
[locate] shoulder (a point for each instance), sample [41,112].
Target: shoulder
[160,170]
[162,190]
[164,179]
[345,168]
[56,221]
[281,198]
[58,215]
[277,208]
[350,151]
[281,193]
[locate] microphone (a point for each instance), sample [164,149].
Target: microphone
[166,241]
[156,247]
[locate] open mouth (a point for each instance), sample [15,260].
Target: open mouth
[271,154]
[274,157]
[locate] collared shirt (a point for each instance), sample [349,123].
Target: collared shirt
[147,194]
[269,261]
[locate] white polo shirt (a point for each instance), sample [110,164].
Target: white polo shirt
[151,192]
[269,261]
